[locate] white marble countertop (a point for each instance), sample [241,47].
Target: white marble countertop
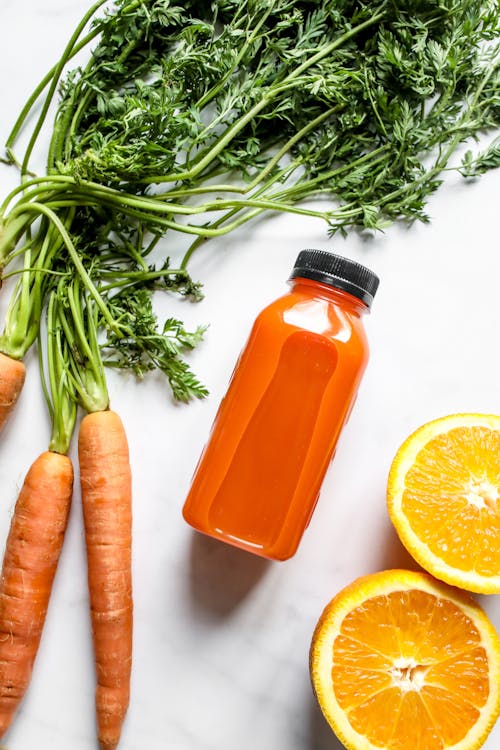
[221,637]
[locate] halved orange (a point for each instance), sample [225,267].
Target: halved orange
[403,662]
[444,499]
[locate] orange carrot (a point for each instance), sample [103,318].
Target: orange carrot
[31,555]
[12,374]
[107,499]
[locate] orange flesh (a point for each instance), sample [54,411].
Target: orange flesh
[409,671]
[451,498]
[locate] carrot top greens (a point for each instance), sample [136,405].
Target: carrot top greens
[197,118]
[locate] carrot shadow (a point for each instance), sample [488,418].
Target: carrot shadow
[221,576]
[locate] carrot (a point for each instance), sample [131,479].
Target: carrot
[107,498]
[31,555]
[12,374]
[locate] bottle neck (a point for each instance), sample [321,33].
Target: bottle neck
[313,288]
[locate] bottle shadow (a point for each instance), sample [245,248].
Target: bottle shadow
[221,576]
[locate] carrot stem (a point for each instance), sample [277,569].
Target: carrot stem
[59,395]
[57,70]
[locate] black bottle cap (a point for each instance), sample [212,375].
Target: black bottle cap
[338,272]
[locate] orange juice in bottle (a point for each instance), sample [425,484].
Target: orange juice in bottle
[259,476]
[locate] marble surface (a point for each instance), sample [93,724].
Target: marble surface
[221,637]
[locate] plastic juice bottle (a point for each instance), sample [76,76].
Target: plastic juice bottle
[259,477]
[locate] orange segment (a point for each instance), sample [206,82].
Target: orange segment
[402,662]
[444,499]
[449,673]
[374,717]
[414,727]
[369,625]
[487,562]
[451,631]
[354,687]
[452,716]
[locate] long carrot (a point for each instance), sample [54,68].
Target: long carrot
[107,498]
[12,375]
[32,552]
[106,485]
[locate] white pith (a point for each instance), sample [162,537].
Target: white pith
[407,674]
